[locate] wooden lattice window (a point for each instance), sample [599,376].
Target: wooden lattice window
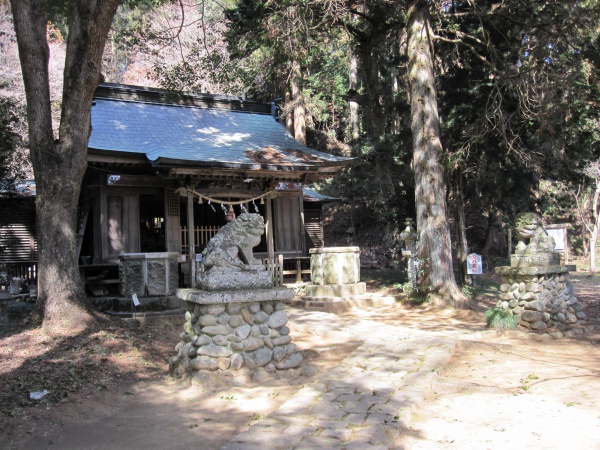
[172,203]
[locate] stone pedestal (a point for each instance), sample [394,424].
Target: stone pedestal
[335,265]
[336,285]
[228,331]
[149,274]
[541,296]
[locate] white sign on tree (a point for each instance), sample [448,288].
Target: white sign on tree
[474,264]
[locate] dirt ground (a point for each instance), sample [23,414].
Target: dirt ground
[108,387]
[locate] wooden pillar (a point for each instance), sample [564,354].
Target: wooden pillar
[191,238]
[269,229]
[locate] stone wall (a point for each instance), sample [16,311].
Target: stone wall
[233,336]
[541,298]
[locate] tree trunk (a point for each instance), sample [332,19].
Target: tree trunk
[59,165]
[289,118]
[461,229]
[595,227]
[435,251]
[353,84]
[298,100]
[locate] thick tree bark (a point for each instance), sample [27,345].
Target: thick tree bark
[462,248]
[435,251]
[298,101]
[59,165]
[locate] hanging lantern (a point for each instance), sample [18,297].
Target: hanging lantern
[262,200]
[200,200]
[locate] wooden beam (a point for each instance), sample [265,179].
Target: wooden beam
[191,239]
[269,229]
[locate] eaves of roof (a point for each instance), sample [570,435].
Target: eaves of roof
[172,134]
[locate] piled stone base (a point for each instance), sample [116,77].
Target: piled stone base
[540,297]
[234,335]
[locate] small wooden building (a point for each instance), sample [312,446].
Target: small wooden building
[166,171]
[18,234]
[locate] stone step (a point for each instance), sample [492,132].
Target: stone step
[342,304]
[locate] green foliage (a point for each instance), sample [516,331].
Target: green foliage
[11,159]
[500,319]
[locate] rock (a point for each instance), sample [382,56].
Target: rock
[254,307]
[260,317]
[207,320]
[506,297]
[284,331]
[282,340]
[204,363]
[556,334]
[223,318]
[236,361]
[187,327]
[255,331]
[513,303]
[233,338]
[580,315]
[233,308]
[252,344]
[237,346]
[527,296]
[531,316]
[259,375]
[267,308]
[262,356]
[535,305]
[309,371]
[197,309]
[569,289]
[223,363]
[189,350]
[243,332]
[247,316]
[215,310]
[279,353]
[539,325]
[521,287]
[248,361]
[213,330]
[264,329]
[188,316]
[504,305]
[220,340]
[561,317]
[202,340]
[290,362]
[290,348]
[270,367]
[235,321]
[279,306]
[504,287]
[215,351]
[268,342]
[571,318]
[278,319]
[546,317]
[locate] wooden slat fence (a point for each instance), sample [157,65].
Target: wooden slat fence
[201,237]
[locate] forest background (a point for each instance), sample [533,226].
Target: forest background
[511,108]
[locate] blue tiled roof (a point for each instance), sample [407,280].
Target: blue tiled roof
[179,134]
